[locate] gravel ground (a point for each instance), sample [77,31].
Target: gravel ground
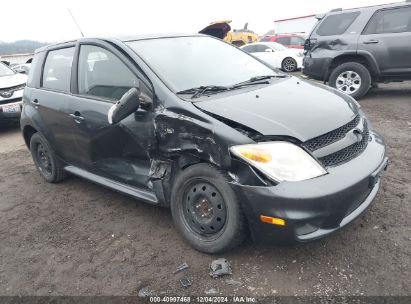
[77,238]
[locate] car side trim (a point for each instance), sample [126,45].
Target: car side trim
[146,196]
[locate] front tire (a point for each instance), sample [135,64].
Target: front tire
[206,211]
[351,78]
[47,164]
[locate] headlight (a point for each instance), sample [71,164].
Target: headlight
[280,161]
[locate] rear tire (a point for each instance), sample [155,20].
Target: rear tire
[289,65]
[47,164]
[351,78]
[206,211]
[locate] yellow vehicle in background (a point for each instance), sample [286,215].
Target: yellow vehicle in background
[222,30]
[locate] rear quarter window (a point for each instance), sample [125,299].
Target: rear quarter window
[57,69]
[33,71]
[336,24]
[397,20]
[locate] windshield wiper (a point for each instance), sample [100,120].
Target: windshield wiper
[257,80]
[201,90]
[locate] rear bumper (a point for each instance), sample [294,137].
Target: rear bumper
[315,208]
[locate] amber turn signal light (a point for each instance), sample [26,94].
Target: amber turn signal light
[272,220]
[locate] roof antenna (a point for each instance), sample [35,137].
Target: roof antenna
[75,21]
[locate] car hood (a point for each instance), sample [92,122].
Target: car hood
[288,107]
[12,80]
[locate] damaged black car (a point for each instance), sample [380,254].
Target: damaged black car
[192,123]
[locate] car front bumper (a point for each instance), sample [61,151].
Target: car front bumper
[10,117]
[315,208]
[316,68]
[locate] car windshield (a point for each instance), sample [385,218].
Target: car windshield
[5,71]
[276,46]
[189,62]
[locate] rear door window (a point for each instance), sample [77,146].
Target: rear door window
[336,24]
[396,20]
[57,69]
[297,41]
[283,40]
[102,74]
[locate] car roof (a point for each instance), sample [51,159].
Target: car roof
[121,38]
[285,35]
[371,7]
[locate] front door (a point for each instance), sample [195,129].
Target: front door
[120,151]
[388,38]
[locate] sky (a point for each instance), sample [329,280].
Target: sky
[50,21]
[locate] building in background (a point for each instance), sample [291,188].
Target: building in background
[16,58]
[301,25]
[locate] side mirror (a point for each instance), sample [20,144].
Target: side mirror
[128,104]
[268,50]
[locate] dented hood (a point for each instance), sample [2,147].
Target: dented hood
[287,107]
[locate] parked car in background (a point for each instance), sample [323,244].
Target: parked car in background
[292,41]
[21,68]
[197,125]
[353,49]
[222,30]
[11,91]
[276,55]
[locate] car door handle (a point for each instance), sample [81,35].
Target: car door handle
[76,116]
[36,101]
[372,41]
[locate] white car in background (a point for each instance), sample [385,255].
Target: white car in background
[276,55]
[11,92]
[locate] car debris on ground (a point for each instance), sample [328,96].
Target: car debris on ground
[144,292]
[181,267]
[186,282]
[220,267]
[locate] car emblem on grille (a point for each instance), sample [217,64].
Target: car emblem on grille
[6,94]
[358,133]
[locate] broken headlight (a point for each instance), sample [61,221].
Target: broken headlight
[280,161]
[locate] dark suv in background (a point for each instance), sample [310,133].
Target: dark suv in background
[354,49]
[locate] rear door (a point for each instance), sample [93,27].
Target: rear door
[51,100]
[120,151]
[388,38]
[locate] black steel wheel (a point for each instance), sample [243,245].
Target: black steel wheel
[48,165]
[43,160]
[206,211]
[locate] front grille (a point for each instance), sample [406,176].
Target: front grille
[14,88]
[345,154]
[332,136]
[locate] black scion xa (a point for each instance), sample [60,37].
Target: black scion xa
[197,125]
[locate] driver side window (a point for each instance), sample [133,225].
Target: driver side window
[102,74]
